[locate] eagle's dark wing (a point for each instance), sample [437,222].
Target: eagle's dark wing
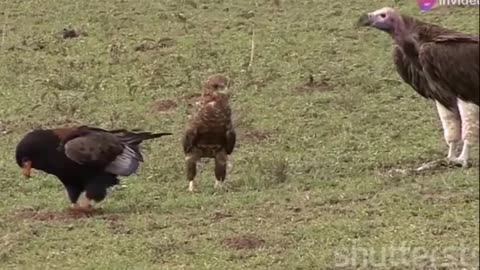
[104,151]
[230,140]
[115,151]
[188,140]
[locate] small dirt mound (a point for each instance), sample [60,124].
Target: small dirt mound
[70,33]
[313,86]
[163,106]
[254,135]
[246,241]
[217,216]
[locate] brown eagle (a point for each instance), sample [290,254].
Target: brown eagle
[209,132]
[439,64]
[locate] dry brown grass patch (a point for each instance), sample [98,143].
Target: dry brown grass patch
[163,105]
[245,241]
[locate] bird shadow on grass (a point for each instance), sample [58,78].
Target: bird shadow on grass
[431,167]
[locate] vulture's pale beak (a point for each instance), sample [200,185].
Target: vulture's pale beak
[26,168]
[365,20]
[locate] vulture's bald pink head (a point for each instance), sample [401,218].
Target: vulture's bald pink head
[385,19]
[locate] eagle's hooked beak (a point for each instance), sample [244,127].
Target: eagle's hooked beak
[26,168]
[365,20]
[226,91]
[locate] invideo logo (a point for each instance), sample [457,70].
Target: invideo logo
[425,5]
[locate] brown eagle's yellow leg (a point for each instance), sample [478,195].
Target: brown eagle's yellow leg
[220,169]
[191,167]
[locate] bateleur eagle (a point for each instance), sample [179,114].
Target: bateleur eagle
[83,158]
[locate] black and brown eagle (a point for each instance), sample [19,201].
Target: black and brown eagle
[83,158]
[210,132]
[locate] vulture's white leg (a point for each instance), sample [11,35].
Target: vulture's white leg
[470,129]
[452,129]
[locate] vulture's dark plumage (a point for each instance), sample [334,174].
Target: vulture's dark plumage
[209,132]
[83,158]
[440,64]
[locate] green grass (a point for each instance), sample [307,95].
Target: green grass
[312,174]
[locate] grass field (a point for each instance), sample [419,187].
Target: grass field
[320,178]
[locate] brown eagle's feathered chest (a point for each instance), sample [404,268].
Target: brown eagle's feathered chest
[212,119]
[213,115]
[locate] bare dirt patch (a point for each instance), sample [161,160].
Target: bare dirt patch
[218,216]
[313,86]
[163,105]
[435,197]
[115,225]
[245,241]
[253,135]
[70,33]
[63,216]
[150,44]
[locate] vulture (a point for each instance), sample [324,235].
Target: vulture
[209,132]
[85,159]
[442,65]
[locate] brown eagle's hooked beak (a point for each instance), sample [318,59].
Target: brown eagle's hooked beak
[26,168]
[225,91]
[364,20]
